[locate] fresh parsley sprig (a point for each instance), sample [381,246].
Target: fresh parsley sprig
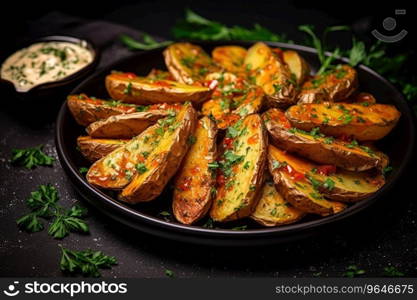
[196,27]
[86,262]
[31,157]
[44,205]
[148,42]
[320,45]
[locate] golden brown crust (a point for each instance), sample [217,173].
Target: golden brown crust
[299,194]
[274,210]
[94,149]
[194,182]
[238,194]
[86,110]
[297,65]
[339,185]
[321,149]
[231,58]
[363,123]
[124,126]
[188,63]
[163,161]
[272,74]
[141,90]
[333,86]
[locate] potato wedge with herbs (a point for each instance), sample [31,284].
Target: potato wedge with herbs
[297,65]
[270,72]
[87,110]
[332,86]
[232,99]
[194,182]
[273,209]
[124,126]
[294,186]
[241,170]
[94,149]
[188,63]
[116,170]
[320,148]
[141,90]
[231,58]
[164,160]
[362,123]
[337,185]
[156,74]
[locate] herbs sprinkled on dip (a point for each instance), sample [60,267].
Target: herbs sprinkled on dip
[44,62]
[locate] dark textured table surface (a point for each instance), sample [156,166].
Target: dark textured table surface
[381,236]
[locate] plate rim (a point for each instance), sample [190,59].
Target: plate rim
[222,233]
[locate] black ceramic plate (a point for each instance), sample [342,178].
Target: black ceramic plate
[147,217]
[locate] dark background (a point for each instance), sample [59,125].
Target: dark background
[381,236]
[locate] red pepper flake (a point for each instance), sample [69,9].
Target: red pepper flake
[185,184]
[162,83]
[253,139]
[228,143]
[220,180]
[326,169]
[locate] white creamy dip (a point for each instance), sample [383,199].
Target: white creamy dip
[44,62]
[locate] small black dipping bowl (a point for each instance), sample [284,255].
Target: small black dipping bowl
[48,90]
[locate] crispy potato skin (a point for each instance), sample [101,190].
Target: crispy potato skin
[141,90]
[333,86]
[231,58]
[193,183]
[297,192]
[238,194]
[124,126]
[227,108]
[86,110]
[163,162]
[336,152]
[116,170]
[297,65]
[274,210]
[94,149]
[156,74]
[346,186]
[272,74]
[186,61]
[363,123]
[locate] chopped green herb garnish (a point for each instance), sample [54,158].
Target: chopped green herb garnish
[31,157]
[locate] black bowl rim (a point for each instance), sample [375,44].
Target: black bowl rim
[128,211]
[58,38]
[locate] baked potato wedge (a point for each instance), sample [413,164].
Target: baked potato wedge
[363,123]
[332,86]
[116,170]
[270,72]
[231,58]
[142,90]
[273,209]
[87,110]
[124,126]
[294,186]
[339,185]
[94,149]
[297,65]
[194,182]
[320,148]
[241,170]
[156,74]
[188,63]
[164,160]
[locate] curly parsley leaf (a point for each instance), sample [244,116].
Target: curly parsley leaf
[44,205]
[31,157]
[86,262]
